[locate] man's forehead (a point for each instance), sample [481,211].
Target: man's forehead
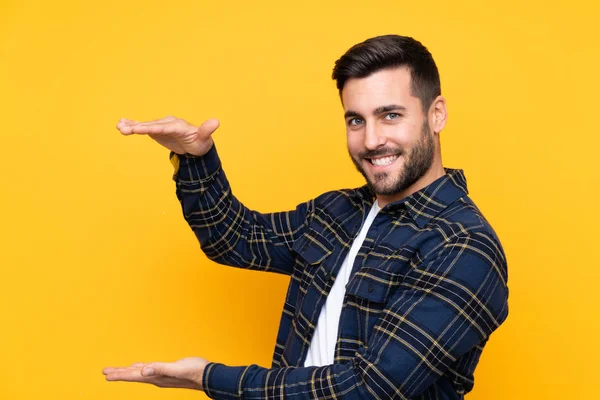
[388,86]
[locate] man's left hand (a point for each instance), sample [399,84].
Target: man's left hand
[185,373]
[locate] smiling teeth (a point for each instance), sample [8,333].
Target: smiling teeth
[380,162]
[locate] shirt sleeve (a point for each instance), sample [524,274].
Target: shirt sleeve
[445,306]
[228,232]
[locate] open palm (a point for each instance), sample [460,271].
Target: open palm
[185,373]
[174,133]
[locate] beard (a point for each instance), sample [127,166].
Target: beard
[416,164]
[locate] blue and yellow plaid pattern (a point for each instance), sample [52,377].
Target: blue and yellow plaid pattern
[428,286]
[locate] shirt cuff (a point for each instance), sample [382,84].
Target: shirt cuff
[190,168]
[222,382]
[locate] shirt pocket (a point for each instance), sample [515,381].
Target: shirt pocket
[313,251]
[368,292]
[374,285]
[313,248]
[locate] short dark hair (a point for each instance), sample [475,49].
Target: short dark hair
[391,51]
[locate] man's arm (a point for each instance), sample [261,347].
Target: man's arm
[228,232]
[445,306]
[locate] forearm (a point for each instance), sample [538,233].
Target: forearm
[255,382]
[228,232]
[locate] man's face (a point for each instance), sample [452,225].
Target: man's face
[389,138]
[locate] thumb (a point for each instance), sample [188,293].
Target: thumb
[207,128]
[167,369]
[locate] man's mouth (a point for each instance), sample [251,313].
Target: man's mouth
[383,161]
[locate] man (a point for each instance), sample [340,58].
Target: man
[395,286]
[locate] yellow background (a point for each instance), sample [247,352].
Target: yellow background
[99,268]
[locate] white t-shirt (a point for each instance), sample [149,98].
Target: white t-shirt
[322,345]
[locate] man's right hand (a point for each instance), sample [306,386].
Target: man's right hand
[175,134]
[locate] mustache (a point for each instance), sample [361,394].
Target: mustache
[382,152]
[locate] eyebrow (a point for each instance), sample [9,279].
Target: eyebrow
[377,111]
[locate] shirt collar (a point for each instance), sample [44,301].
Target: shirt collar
[436,197]
[428,202]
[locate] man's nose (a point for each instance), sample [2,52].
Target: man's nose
[374,138]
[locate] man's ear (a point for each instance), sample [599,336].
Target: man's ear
[438,114]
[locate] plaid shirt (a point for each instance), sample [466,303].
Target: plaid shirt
[428,286]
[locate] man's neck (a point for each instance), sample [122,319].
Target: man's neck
[434,173]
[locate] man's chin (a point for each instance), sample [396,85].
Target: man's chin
[386,191]
[380,183]
[381,188]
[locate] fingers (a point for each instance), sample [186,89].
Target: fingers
[138,372]
[153,129]
[166,125]
[156,368]
[125,124]
[133,373]
[132,367]
[126,375]
[131,121]
[158,121]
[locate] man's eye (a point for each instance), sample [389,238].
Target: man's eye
[354,121]
[392,116]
